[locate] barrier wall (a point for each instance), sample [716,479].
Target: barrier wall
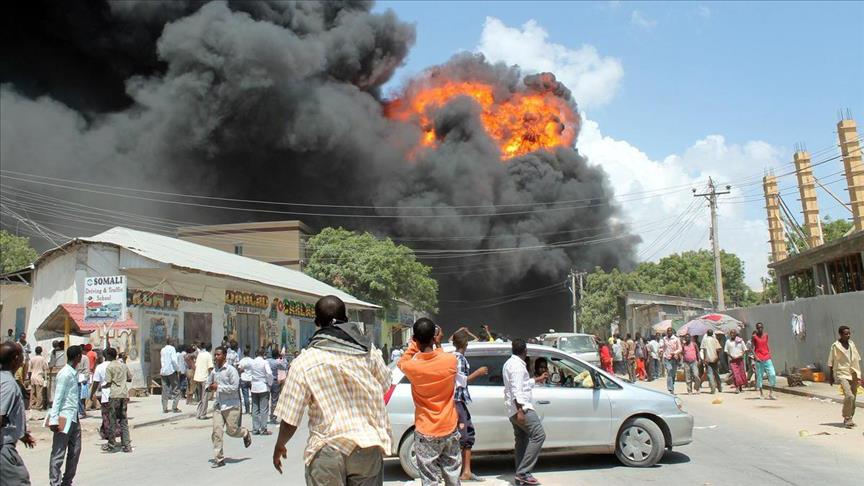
[822,316]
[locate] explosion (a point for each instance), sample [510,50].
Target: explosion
[520,122]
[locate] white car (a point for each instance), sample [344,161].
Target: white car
[578,345]
[583,410]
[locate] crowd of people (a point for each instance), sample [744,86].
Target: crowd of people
[341,380]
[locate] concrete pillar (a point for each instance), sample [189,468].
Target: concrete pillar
[809,203]
[775,227]
[850,148]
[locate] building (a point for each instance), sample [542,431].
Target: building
[180,289]
[281,243]
[15,296]
[827,269]
[642,310]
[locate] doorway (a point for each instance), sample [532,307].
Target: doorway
[247,326]
[197,327]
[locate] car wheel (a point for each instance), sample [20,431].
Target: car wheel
[407,458]
[640,443]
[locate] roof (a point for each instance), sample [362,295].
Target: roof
[644,298]
[192,257]
[847,245]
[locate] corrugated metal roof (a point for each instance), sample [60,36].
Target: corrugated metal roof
[191,256]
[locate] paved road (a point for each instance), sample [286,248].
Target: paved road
[740,441]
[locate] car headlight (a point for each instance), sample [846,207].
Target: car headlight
[679,404]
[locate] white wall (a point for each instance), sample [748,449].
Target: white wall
[54,283]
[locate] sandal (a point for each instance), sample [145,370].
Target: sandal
[247,440]
[473,478]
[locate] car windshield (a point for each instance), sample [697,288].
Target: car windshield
[576,344]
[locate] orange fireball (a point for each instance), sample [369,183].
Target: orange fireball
[521,123]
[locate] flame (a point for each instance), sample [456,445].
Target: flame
[522,123]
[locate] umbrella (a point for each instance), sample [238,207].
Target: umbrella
[720,319]
[662,325]
[697,327]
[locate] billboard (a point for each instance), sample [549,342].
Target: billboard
[105,299]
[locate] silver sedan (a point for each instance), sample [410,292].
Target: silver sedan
[583,409]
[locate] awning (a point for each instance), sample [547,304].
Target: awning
[54,326]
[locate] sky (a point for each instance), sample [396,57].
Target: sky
[672,93]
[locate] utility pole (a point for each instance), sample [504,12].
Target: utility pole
[711,196]
[576,287]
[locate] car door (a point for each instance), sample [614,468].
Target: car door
[573,413]
[488,413]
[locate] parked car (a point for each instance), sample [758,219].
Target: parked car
[582,346]
[583,410]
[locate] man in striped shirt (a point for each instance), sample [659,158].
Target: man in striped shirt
[341,378]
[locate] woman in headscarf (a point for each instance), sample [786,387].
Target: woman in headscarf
[736,348]
[606,359]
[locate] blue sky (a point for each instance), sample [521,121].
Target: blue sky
[733,80]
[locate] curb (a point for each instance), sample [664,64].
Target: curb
[163,420]
[803,393]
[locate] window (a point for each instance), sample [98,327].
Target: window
[495,364]
[566,373]
[238,249]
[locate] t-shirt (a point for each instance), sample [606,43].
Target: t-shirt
[760,347]
[118,375]
[203,365]
[91,355]
[433,383]
[690,352]
[735,348]
[711,348]
[618,351]
[99,377]
[245,365]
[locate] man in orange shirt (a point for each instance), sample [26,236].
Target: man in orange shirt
[432,374]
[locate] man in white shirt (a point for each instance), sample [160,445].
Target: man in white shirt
[653,359]
[527,427]
[168,358]
[244,365]
[104,394]
[180,365]
[710,349]
[203,367]
[261,377]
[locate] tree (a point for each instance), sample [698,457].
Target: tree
[832,229]
[688,274]
[375,270]
[15,252]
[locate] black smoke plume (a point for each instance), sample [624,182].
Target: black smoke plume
[282,101]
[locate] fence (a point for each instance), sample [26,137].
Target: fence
[822,316]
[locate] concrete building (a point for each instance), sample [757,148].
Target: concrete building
[642,310]
[281,243]
[15,296]
[184,290]
[828,269]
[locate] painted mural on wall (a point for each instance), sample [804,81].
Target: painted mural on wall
[162,324]
[123,340]
[157,300]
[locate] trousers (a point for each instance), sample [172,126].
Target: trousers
[68,447]
[191,387]
[713,372]
[226,421]
[765,366]
[363,467]
[170,391]
[260,411]
[38,400]
[530,437]
[850,390]
[691,376]
[118,419]
[204,395]
[14,472]
[245,389]
[671,366]
[438,457]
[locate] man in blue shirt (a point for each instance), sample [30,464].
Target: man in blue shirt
[63,421]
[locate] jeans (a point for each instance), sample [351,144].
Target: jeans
[529,440]
[363,467]
[260,411]
[170,391]
[118,418]
[182,385]
[671,366]
[713,372]
[274,399]
[763,366]
[245,388]
[691,376]
[66,446]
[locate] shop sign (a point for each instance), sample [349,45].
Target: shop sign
[105,298]
[158,300]
[248,299]
[294,308]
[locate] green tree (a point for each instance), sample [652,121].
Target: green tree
[688,274]
[375,270]
[15,252]
[834,229]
